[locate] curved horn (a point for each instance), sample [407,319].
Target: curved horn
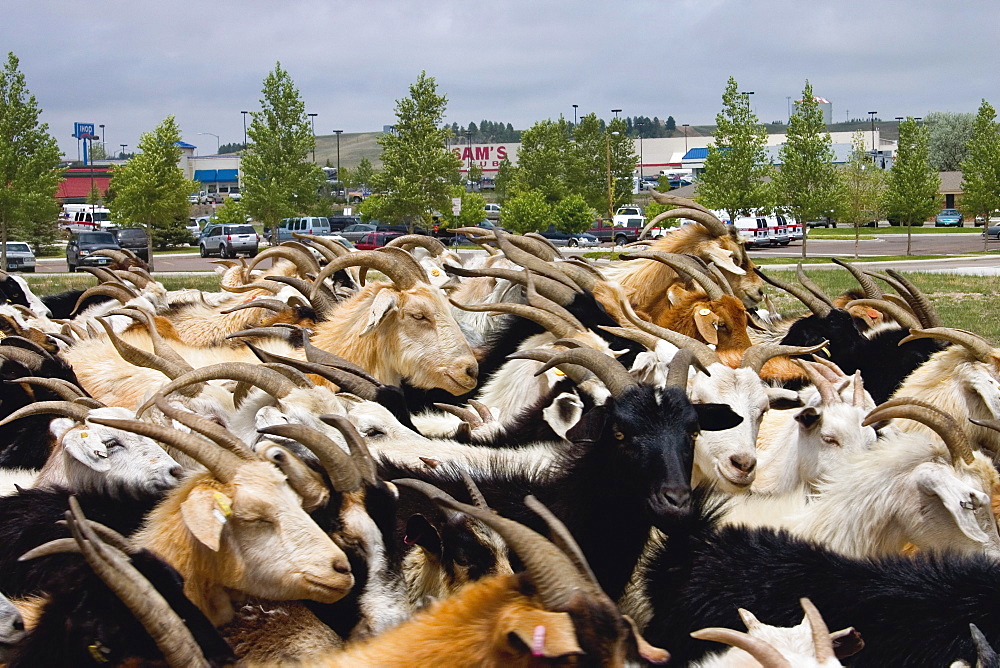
[357,445]
[941,423]
[975,344]
[870,287]
[140,357]
[113,290]
[812,287]
[756,355]
[633,334]
[922,306]
[822,644]
[542,240]
[575,373]
[540,248]
[681,263]
[532,262]
[827,393]
[906,319]
[335,247]
[677,370]
[205,427]
[812,302]
[428,243]
[66,390]
[160,347]
[607,369]
[323,302]
[272,382]
[554,290]
[545,319]
[344,475]
[708,220]
[250,287]
[404,275]
[304,262]
[101,274]
[64,408]
[706,355]
[675,200]
[269,304]
[546,304]
[766,655]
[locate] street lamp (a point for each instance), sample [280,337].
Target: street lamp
[746,95]
[574,114]
[640,124]
[468,145]
[871,114]
[616,112]
[685,126]
[312,119]
[337,132]
[212,134]
[244,128]
[104,140]
[123,150]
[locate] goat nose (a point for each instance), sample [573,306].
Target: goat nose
[744,463]
[472,371]
[679,498]
[342,566]
[175,471]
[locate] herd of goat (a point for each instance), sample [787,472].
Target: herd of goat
[397,457]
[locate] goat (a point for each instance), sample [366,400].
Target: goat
[11,629]
[115,606]
[629,464]
[911,611]
[211,526]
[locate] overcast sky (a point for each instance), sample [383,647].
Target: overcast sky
[130,64]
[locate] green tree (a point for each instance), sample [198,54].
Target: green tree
[573,214]
[621,162]
[29,159]
[232,212]
[544,158]
[949,137]
[418,170]
[587,169]
[981,167]
[151,190]
[278,180]
[505,183]
[807,181]
[94,196]
[911,192]
[861,184]
[527,211]
[475,173]
[97,151]
[364,173]
[472,211]
[737,166]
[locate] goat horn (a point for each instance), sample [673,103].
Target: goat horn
[160,347]
[271,331]
[320,356]
[607,369]
[575,373]
[921,305]
[706,355]
[222,463]
[669,199]
[428,243]
[64,545]
[143,358]
[270,304]
[812,287]
[758,354]
[335,247]
[905,318]
[585,278]
[134,277]
[404,275]
[681,263]
[633,334]
[113,290]
[554,290]
[708,220]
[870,287]
[540,248]
[812,302]
[324,300]
[346,380]
[240,289]
[532,262]
[26,358]
[344,475]
[827,393]
[975,344]
[464,414]
[304,261]
[288,371]
[272,382]
[822,644]
[17,341]
[720,279]
[205,427]
[356,444]
[941,423]
[101,274]
[547,320]
[765,654]
[546,304]
[859,390]
[66,390]
[64,408]
[553,573]
[677,370]
[164,626]
[542,240]
[563,539]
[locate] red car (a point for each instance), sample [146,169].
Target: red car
[374,240]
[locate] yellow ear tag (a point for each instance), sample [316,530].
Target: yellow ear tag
[704,311]
[826,351]
[435,272]
[223,503]
[84,434]
[559,372]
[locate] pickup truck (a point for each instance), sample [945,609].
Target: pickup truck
[619,235]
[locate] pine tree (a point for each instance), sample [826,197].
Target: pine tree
[807,182]
[911,195]
[278,180]
[29,159]
[981,168]
[737,165]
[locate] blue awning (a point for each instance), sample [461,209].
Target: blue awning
[229,175]
[206,175]
[696,154]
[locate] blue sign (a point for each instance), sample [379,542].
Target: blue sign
[83,130]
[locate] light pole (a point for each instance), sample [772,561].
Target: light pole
[874,151]
[616,112]
[640,124]
[337,132]
[244,129]
[574,114]
[788,100]
[312,119]
[746,96]
[104,141]
[685,126]
[212,134]
[468,145]
[123,150]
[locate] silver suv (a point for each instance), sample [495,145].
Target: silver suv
[228,240]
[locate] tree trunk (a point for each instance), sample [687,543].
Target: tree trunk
[986,231]
[909,236]
[805,236]
[857,238]
[3,248]
[149,246]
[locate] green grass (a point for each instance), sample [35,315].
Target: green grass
[930,229]
[50,284]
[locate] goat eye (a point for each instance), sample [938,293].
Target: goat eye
[830,440]
[620,436]
[113,443]
[373,432]
[417,316]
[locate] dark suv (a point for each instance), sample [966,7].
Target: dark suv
[135,240]
[81,247]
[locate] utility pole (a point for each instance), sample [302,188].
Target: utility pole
[874,151]
[312,118]
[338,132]
[640,125]
[244,129]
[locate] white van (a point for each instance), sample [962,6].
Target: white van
[762,230]
[84,217]
[317,225]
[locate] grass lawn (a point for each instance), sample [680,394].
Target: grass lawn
[50,284]
[900,229]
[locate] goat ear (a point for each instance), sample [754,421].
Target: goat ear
[590,426]
[717,417]
[723,258]
[704,320]
[563,413]
[988,389]
[808,417]
[205,512]
[419,531]
[846,642]
[382,305]
[60,425]
[539,633]
[87,448]
[780,398]
[956,497]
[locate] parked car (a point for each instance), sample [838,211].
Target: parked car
[20,257]
[228,240]
[82,245]
[340,223]
[373,240]
[993,232]
[492,211]
[305,225]
[236,197]
[948,218]
[353,233]
[135,240]
[571,239]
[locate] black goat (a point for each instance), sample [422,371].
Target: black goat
[910,611]
[628,467]
[62,306]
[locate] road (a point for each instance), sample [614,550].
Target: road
[886,244]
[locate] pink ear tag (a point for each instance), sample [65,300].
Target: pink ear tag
[538,641]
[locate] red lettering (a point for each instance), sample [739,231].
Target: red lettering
[501,152]
[483,152]
[466,153]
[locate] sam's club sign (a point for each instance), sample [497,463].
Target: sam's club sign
[83,130]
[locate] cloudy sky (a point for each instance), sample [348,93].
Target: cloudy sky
[128,64]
